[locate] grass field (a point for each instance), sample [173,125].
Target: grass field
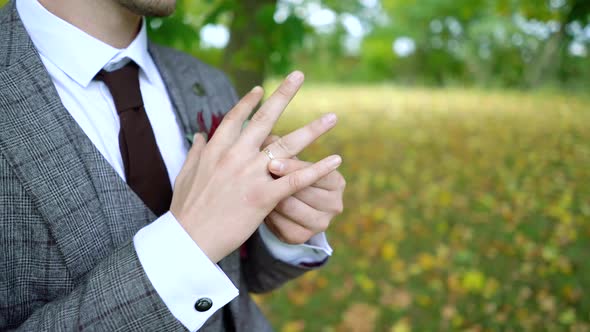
[465,211]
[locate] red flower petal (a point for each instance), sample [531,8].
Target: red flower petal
[201,122]
[215,122]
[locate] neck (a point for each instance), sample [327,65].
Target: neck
[104,20]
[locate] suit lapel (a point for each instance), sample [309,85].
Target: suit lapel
[187,124]
[89,209]
[198,92]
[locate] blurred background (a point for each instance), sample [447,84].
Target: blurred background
[465,131]
[503,43]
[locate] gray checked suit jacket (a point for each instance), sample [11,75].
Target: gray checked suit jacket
[67,219]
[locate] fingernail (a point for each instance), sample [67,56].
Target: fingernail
[295,77]
[276,166]
[256,89]
[199,134]
[329,118]
[334,161]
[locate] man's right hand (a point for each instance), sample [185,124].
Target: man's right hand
[224,190]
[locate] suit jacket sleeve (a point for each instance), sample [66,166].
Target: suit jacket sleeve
[264,273]
[115,295]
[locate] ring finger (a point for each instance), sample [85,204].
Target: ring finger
[291,144]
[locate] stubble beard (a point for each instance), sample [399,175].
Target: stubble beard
[156,8]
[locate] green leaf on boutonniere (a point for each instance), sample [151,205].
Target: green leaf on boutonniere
[190,138]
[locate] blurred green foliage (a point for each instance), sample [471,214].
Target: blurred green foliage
[506,42]
[515,43]
[511,43]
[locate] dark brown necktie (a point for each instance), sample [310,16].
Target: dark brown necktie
[144,167]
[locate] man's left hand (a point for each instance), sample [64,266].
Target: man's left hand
[308,212]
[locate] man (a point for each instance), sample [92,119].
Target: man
[93,121]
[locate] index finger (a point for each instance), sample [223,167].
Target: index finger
[265,118]
[332,181]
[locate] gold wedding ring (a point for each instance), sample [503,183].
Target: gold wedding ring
[269,154]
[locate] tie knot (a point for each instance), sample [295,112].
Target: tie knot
[123,84]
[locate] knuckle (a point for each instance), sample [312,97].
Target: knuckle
[180,179]
[233,114]
[314,173]
[290,239]
[284,206]
[296,182]
[341,182]
[296,237]
[226,160]
[339,208]
[260,117]
[285,91]
[333,207]
[319,223]
[270,139]
[322,169]
[280,234]
[306,234]
[284,146]
[323,224]
[256,198]
[316,126]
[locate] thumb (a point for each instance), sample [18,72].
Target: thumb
[305,177]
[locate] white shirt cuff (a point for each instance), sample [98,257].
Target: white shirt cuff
[316,250]
[180,272]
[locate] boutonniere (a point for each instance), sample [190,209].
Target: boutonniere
[207,131]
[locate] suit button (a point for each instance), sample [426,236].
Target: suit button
[203,304]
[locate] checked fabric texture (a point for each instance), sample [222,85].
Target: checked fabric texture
[67,261]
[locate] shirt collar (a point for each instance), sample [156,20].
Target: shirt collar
[76,53]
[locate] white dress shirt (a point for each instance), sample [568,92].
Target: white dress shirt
[179,271]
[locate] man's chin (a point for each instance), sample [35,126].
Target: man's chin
[155,8]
